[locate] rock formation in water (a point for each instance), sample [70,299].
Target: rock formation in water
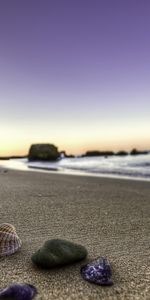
[43,152]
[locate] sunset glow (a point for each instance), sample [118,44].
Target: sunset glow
[74,73]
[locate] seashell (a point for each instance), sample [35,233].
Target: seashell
[18,292]
[9,240]
[98,272]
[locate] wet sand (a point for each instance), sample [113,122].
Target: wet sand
[110,217]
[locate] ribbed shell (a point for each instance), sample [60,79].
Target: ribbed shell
[9,240]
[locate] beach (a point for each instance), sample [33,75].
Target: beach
[110,217]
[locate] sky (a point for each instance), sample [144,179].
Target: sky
[75,73]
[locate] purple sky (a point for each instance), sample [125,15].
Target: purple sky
[75,73]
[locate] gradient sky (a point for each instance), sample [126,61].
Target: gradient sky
[75,73]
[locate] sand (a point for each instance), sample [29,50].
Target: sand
[110,217]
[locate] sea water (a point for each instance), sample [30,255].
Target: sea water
[129,166]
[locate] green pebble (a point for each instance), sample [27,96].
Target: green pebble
[56,252]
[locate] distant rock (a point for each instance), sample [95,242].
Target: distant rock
[122,153]
[70,156]
[98,153]
[43,152]
[136,152]
[13,157]
[63,154]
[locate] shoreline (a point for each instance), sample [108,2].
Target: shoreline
[74,172]
[109,217]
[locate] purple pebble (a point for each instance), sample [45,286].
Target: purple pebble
[98,272]
[19,292]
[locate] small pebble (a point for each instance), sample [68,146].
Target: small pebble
[56,252]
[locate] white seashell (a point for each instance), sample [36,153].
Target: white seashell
[9,240]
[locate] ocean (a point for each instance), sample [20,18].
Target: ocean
[130,166]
